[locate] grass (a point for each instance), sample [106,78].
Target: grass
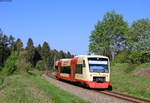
[31,88]
[124,80]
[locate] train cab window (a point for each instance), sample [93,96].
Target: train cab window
[65,69]
[99,65]
[79,68]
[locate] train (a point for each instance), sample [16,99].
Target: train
[92,71]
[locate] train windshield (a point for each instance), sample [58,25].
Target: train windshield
[98,65]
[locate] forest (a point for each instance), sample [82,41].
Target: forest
[14,57]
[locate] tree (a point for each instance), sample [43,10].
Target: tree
[4,50]
[37,56]
[109,35]
[39,48]
[139,41]
[1,51]
[5,41]
[30,52]
[69,55]
[140,35]
[23,59]
[18,45]
[40,65]
[45,54]
[22,64]
[62,54]
[11,42]
[10,65]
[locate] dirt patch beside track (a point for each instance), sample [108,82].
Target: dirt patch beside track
[143,73]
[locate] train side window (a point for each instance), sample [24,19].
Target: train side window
[65,69]
[56,67]
[83,65]
[79,68]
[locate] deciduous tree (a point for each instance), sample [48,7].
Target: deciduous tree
[109,35]
[140,35]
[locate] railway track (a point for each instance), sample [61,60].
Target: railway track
[115,94]
[124,97]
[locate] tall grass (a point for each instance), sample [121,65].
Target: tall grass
[31,88]
[123,79]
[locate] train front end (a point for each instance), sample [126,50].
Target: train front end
[97,72]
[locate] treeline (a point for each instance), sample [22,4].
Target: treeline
[14,57]
[123,43]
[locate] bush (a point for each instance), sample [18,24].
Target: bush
[122,57]
[0,67]
[40,65]
[145,57]
[139,57]
[1,80]
[10,65]
[134,57]
[22,64]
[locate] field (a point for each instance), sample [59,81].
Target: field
[130,79]
[31,88]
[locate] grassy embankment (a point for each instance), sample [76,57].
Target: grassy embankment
[27,88]
[124,78]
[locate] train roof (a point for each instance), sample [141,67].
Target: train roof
[82,56]
[67,61]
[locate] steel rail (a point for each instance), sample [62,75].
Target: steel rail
[124,97]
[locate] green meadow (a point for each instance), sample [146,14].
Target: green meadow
[125,79]
[32,88]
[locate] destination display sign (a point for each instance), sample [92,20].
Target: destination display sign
[97,62]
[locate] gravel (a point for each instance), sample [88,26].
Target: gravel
[83,93]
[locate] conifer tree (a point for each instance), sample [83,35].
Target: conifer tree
[30,52]
[11,42]
[18,45]
[46,55]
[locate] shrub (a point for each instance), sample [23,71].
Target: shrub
[1,80]
[145,57]
[10,65]
[22,64]
[40,65]
[122,57]
[139,57]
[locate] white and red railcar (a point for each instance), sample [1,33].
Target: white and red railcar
[90,70]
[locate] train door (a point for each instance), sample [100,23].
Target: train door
[73,67]
[80,69]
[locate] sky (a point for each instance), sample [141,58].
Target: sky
[65,24]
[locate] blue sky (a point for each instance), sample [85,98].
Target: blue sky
[64,24]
